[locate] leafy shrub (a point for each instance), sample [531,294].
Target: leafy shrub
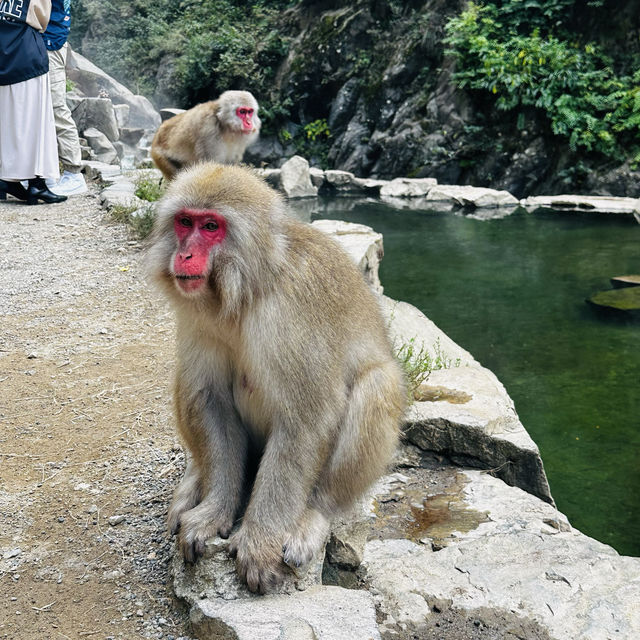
[149,187]
[201,47]
[573,83]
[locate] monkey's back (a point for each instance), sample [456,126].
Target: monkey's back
[328,319]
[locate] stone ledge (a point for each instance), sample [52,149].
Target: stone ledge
[583,204]
[472,418]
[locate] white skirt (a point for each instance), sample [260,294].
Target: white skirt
[28,146]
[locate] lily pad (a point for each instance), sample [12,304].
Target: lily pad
[625,299]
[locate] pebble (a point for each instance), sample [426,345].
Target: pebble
[114,520]
[12,553]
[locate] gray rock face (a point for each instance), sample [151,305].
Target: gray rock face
[103,149]
[295,180]
[93,82]
[518,568]
[97,113]
[122,114]
[464,411]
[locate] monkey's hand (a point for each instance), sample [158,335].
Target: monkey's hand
[258,559]
[200,524]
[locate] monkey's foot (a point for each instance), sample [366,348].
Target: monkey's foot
[304,542]
[199,525]
[259,564]
[185,498]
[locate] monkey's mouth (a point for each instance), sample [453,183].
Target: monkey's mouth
[189,283]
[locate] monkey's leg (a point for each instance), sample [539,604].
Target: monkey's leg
[164,164]
[185,497]
[308,537]
[367,438]
[218,443]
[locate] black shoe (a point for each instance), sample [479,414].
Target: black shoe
[38,190]
[14,188]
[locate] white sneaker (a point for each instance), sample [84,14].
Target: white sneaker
[70,184]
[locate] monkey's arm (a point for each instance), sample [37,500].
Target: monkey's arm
[217,441]
[288,471]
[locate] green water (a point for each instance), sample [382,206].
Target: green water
[512,292]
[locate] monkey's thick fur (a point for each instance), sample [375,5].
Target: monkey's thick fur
[208,131]
[287,393]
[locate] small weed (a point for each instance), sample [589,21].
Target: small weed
[418,363]
[140,219]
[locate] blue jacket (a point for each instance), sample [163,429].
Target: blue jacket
[22,52]
[59,24]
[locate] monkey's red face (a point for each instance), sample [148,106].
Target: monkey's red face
[197,231]
[245,114]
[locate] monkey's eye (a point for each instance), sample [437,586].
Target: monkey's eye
[243,112]
[211,226]
[186,222]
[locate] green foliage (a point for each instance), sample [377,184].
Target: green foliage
[317,129]
[417,363]
[195,48]
[149,187]
[139,219]
[312,141]
[523,54]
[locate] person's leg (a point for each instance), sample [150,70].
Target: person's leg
[72,181]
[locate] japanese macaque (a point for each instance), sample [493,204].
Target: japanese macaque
[219,130]
[287,394]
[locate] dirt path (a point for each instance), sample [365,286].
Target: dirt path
[88,454]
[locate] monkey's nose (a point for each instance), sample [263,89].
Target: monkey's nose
[185,256]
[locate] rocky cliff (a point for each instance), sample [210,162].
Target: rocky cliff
[365,87]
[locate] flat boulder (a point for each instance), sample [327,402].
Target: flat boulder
[583,204]
[407,187]
[476,197]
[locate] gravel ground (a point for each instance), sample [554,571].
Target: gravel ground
[88,452]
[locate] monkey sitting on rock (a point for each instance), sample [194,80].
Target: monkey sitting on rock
[287,393]
[218,130]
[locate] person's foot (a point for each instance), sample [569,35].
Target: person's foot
[14,188]
[38,190]
[70,184]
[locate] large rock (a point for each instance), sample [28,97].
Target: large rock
[295,179]
[101,145]
[480,559]
[221,607]
[362,243]
[320,613]
[408,187]
[96,113]
[94,82]
[463,411]
[466,196]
